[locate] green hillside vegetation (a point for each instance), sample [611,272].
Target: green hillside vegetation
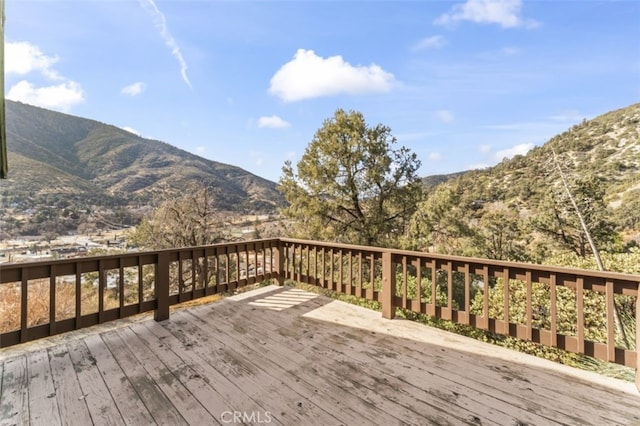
[58,160]
[519,209]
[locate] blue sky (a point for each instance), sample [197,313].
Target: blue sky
[462,84]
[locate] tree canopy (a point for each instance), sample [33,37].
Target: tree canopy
[352,184]
[187,221]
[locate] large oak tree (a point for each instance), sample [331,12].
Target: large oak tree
[352,184]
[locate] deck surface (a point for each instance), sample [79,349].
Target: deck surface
[283,356]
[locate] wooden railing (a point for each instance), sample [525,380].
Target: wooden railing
[41,299]
[571,309]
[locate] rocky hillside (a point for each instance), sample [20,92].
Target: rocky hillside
[54,156]
[71,174]
[606,149]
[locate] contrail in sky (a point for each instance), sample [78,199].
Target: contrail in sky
[161,23]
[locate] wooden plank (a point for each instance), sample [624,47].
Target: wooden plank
[337,375]
[199,386]
[159,405]
[235,399]
[185,402]
[14,398]
[100,403]
[416,401]
[129,405]
[43,404]
[360,400]
[71,402]
[250,378]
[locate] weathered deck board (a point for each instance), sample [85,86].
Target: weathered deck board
[358,388]
[71,403]
[398,395]
[43,404]
[129,403]
[100,403]
[14,401]
[285,357]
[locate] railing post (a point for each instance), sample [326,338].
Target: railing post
[162,287]
[638,339]
[279,264]
[388,286]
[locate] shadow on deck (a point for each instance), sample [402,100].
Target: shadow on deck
[284,356]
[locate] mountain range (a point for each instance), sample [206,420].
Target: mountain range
[76,164]
[53,155]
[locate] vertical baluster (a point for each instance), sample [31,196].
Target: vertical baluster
[78,296]
[404,282]
[485,296]
[350,274]
[120,287]
[359,283]
[450,285]
[580,310]
[23,304]
[611,329]
[140,284]
[529,309]
[101,287]
[434,287]
[467,294]
[553,310]
[340,276]
[194,275]
[417,305]
[52,300]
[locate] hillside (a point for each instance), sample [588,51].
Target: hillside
[61,160]
[600,159]
[606,148]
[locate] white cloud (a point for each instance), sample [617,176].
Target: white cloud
[60,97]
[308,75]
[445,116]
[434,156]
[433,42]
[22,58]
[131,130]
[506,13]
[133,89]
[272,122]
[484,148]
[160,22]
[519,149]
[200,149]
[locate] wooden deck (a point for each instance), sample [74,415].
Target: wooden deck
[287,357]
